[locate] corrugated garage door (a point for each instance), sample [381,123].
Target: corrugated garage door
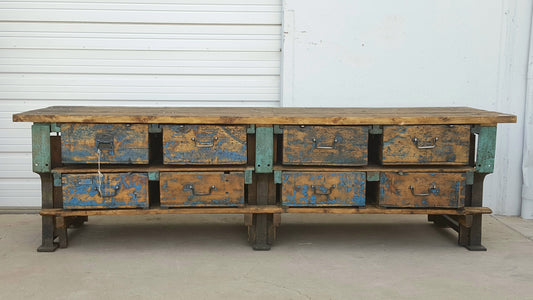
[128,52]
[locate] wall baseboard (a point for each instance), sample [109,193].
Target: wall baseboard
[19,209]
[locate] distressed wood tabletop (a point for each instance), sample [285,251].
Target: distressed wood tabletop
[265,115]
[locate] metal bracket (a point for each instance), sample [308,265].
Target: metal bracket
[372,176]
[248,178]
[41,157]
[264,149]
[278,129]
[475,129]
[55,127]
[376,129]
[154,128]
[277,176]
[57,179]
[486,149]
[153,175]
[250,129]
[469,177]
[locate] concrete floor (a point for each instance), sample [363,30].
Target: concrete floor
[315,257]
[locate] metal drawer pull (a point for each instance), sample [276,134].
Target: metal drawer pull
[318,189]
[326,147]
[104,141]
[431,188]
[427,145]
[111,191]
[200,144]
[190,187]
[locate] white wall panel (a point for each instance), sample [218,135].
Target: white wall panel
[416,53]
[128,53]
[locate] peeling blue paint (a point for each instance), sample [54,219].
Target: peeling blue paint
[119,190]
[350,148]
[330,188]
[179,149]
[129,144]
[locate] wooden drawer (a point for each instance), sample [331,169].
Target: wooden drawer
[196,189]
[427,144]
[422,189]
[323,188]
[204,144]
[325,145]
[111,190]
[118,143]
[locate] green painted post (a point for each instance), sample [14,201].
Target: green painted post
[41,158]
[486,149]
[264,149]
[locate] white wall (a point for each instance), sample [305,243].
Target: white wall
[128,52]
[416,53]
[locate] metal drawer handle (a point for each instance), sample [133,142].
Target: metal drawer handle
[200,144]
[325,147]
[430,189]
[111,191]
[104,141]
[190,187]
[318,190]
[426,145]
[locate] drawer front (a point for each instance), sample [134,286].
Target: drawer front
[325,145]
[197,189]
[323,189]
[111,190]
[118,143]
[427,144]
[422,190]
[204,144]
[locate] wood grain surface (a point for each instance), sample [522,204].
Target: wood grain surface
[197,189]
[117,190]
[325,145]
[265,115]
[323,189]
[443,190]
[118,143]
[204,144]
[426,144]
[267,209]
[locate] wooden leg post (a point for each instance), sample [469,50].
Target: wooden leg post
[470,237]
[48,222]
[61,227]
[262,222]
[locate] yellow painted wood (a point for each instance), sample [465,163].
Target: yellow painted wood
[323,189]
[204,144]
[110,190]
[325,145]
[199,189]
[427,144]
[443,190]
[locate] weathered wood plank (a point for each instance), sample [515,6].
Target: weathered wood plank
[265,115]
[422,189]
[118,143]
[248,209]
[323,189]
[428,144]
[199,189]
[111,190]
[325,145]
[269,209]
[204,144]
